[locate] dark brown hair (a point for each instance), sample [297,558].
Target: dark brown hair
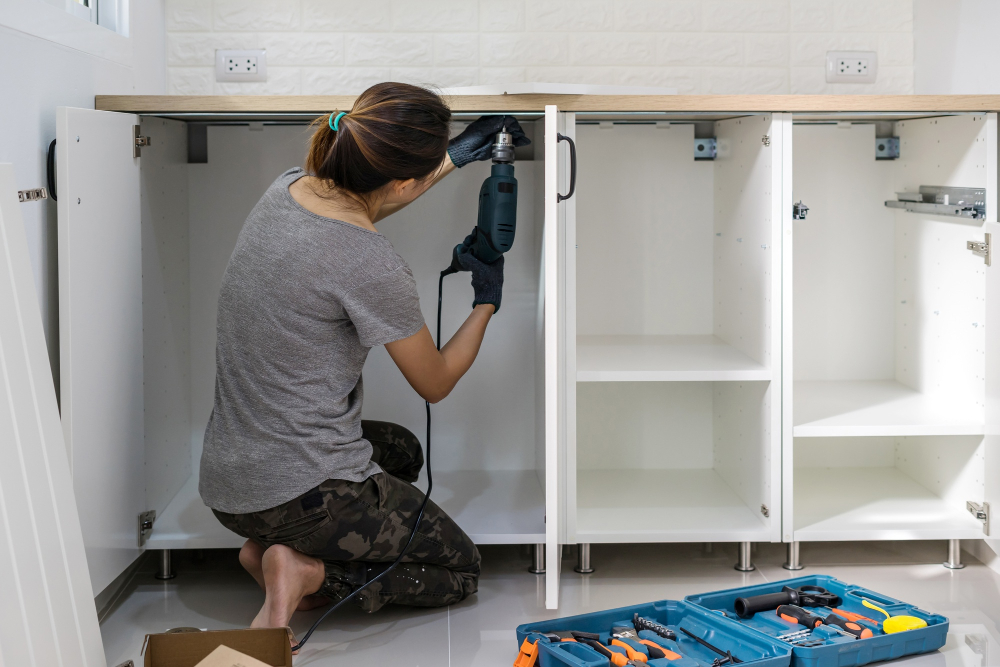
[394,131]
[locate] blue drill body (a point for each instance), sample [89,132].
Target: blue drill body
[497,221]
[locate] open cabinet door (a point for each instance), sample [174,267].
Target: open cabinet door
[100,331]
[47,614]
[554,326]
[991,443]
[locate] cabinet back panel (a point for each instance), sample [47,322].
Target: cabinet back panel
[241,165]
[844,267]
[489,420]
[940,285]
[166,310]
[644,232]
[743,239]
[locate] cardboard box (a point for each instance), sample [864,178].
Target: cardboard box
[187,649]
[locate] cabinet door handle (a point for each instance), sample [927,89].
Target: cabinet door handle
[572,168]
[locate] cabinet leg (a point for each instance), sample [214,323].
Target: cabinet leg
[166,569]
[954,561]
[744,562]
[583,559]
[792,562]
[538,559]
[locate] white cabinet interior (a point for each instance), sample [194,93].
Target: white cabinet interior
[888,336]
[485,448]
[677,269]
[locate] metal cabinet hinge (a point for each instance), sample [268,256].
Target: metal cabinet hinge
[32,195]
[981,249]
[981,512]
[765,511]
[140,141]
[146,520]
[799,211]
[127,663]
[766,140]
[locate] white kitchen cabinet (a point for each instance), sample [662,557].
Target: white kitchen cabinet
[144,243]
[676,385]
[887,343]
[677,359]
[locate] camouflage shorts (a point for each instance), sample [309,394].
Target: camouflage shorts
[358,528]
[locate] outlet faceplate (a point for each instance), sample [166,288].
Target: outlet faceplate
[851,66]
[245,65]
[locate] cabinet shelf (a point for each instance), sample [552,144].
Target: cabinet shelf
[492,506]
[677,505]
[663,359]
[833,504]
[878,408]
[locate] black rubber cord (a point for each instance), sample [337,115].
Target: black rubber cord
[420,514]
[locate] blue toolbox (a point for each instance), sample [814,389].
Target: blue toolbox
[657,634]
[814,621]
[854,634]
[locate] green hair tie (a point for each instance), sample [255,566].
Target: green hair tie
[335,122]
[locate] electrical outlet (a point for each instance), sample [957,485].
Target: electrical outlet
[851,66]
[245,65]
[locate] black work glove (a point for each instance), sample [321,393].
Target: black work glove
[487,279]
[476,141]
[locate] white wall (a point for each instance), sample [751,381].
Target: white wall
[38,75]
[955,46]
[698,46]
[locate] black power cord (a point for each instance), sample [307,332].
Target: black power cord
[420,514]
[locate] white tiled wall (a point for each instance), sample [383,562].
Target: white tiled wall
[697,46]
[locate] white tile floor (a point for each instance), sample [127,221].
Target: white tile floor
[215,593]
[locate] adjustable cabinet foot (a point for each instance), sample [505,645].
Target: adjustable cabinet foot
[166,569]
[583,559]
[954,561]
[538,559]
[792,562]
[744,562]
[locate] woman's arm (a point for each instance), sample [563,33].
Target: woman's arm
[446,167]
[432,373]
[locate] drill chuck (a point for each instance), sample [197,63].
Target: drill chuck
[503,148]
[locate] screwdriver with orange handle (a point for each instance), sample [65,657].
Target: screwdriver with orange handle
[850,627]
[795,614]
[850,616]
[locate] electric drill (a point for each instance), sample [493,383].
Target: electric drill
[494,231]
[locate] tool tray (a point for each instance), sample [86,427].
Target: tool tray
[753,648]
[836,650]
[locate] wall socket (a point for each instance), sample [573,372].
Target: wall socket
[851,66]
[245,65]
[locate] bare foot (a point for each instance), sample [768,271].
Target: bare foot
[289,576]
[312,602]
[250,557]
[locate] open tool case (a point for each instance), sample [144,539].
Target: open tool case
[835,650]
[752,641]
[751,648]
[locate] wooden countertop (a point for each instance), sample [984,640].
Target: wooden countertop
[320,104]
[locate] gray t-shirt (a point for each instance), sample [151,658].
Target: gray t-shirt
[303,300]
